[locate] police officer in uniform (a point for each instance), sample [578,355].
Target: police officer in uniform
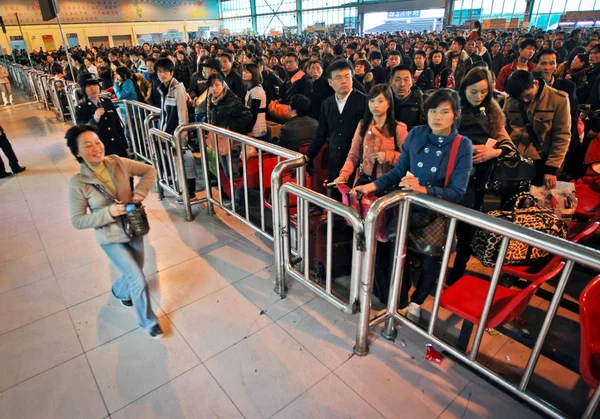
[101,112]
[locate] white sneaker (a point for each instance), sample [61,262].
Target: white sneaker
[414,312]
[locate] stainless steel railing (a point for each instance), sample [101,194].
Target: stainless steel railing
[573,253]
[136,114]
[168,153]
[287,160]
[284,261]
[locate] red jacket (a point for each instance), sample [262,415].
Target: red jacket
[507,70]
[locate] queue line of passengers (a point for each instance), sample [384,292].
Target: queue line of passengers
[396,136]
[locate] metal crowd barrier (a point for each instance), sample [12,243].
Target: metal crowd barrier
[136,114]
[56,86]
[573,253]
[39,88]
[72,90]
[287,161]
[285,262]
[168,151]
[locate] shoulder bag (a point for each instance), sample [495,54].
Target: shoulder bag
[427,229]
[486,244]
[510,176]
[134,223]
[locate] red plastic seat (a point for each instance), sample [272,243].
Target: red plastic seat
[589,313]
[588,201]
[578,233]
[466,298]
[312,182]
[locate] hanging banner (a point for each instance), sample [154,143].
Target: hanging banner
[84,11]
[49,44]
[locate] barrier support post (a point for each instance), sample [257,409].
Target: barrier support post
[284,166]
[178,136]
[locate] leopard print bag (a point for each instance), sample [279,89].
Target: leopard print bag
[486,244]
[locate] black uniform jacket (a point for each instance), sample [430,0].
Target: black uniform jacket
[109,127]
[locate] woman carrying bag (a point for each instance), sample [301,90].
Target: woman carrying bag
[483,121]
[102,186]
[256,101]
[374,152]
[434,160]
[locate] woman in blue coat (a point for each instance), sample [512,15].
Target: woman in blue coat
[422,169]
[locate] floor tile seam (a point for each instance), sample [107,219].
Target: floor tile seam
[34,227]
[115,337]
[306,349]
[196,300]
[213,292]
[57,221]
[153,390]
[88,363]
[334,372]
[223,389]
[31,322]
[165,383]
[301,394]
[29,283]
[30,253]
[40,373]
[237,342]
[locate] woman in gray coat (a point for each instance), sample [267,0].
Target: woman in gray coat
[112,173]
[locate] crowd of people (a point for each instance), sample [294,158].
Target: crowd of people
[431,113]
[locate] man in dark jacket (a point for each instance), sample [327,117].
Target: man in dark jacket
[174,112]
[458,60]
[52,65]
[297,81]
[376,69]
[471,51]
[340,115]
[321,89]
[408,99]
[497,57]
[101,112]
[232,78]
[301,129]
[154,80]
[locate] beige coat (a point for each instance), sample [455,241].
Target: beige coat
[550,117]
[4,75]
[84,196]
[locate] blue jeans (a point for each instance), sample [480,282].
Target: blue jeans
[129,259]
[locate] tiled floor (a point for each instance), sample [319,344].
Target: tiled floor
[232,348]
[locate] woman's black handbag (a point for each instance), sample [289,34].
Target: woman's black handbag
[135,223]
[510,176]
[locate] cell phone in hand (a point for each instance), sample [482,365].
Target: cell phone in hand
[490,142]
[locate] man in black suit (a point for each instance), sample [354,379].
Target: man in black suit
[340,115]
[101,112]
[547,64]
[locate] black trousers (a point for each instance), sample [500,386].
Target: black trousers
[9,153]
